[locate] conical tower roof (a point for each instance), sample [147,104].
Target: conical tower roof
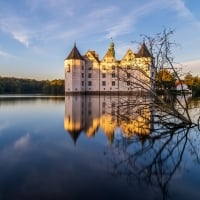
[74,54]
[74,135]
[143,52]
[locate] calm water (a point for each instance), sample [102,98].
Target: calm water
[87,148]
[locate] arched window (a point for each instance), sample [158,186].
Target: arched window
[68,68]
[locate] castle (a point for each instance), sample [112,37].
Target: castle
[87,74]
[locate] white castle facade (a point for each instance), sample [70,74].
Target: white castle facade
[87,74]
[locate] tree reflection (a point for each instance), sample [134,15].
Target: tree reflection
[153,158]
[147,141]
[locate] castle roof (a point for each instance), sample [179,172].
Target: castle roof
[143,51]
[74,134]
[74,54]
[92,55]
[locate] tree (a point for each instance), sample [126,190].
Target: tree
[188,79]
[162,62]
[164,77]
[30,86]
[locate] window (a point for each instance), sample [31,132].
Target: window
[103,75]
[82,67]
[89,75]
[103,83]
[113,83]
[82,83]
[113,67]
[128,82]
[68,68]
[89,104]
[89,83]
[113,75]
[128,67]
[82,75]
[128,75]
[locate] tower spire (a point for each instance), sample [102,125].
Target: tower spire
[74,54]
[112,47]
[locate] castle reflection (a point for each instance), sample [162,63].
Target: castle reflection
[86,114]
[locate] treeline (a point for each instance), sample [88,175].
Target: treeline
[11,85]
[193,83]
[168,80]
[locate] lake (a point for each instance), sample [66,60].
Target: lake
[93,147]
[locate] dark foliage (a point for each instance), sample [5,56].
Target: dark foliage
[11,85]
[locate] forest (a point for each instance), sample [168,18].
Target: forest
[12,85]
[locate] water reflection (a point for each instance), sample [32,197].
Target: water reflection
[144,158]
[157,161]
[144,149]
[86,114]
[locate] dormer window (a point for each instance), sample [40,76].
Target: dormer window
[128,67]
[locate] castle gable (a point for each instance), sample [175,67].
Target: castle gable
[92,56]
[128,57]
[110,54]
[108,57]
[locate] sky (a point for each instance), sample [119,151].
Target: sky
[37,35]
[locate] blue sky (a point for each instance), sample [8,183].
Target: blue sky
[37,35]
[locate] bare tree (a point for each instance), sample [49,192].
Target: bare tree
[160,48]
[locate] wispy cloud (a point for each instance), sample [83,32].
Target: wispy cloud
[123,27]
[127,23]
[13,25]
[22,142]
[22,37]
[181,9]
[99,13]
[6,55]
[54,6]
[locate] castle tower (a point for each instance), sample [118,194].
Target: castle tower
[74,66]
[108,71]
